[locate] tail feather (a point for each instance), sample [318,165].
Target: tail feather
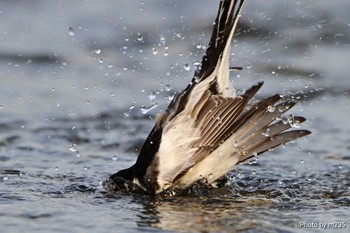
[215,63]
[216,57]
[272,142]
[281,125]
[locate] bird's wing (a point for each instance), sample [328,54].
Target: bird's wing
[190,136]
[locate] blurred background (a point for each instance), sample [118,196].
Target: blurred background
[81,82]
[85,57]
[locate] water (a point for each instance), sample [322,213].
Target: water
[75,77]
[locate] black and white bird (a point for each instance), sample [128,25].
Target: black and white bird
[208,128]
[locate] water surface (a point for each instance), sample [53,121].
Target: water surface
[81,83]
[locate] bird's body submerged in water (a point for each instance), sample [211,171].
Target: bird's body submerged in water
[208,128]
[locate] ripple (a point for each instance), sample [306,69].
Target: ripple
[31,58]
[81,188]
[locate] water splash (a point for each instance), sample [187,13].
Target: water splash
[145,109]
[71,31]
[187,67]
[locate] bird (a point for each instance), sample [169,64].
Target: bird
[209,127]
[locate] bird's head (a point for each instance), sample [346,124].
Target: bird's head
[122,181]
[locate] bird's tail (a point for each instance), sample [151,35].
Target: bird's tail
[214,72]
[216,58]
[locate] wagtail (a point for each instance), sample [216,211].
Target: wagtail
[208,128]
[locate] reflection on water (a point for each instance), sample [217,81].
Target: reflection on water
[272,206]
[82,82]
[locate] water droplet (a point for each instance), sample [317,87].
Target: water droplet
[162,39]
[302,161]
[285,120]
[196,79]
[114,158]
[171,97]
[271,108]
[73,148]
[199,46]
[56,168]
[197,65]
[296,124]
[166,53]
[253,160]
[139,37]
[167,88]
[145,109]
[266,133]
[97,51]
[71,31]
[293,122]
[154,51]
[187,67]
[273,72]
[100,60]
[5,178]
[152,96]
[132,107]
